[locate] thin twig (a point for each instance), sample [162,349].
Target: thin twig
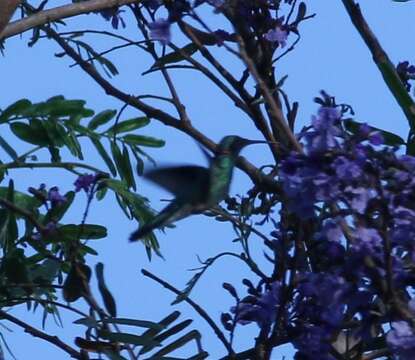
[276,112]
[196,307]
[70,166]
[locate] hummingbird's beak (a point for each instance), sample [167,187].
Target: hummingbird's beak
[247,142]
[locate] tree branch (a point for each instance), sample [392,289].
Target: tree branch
[58,13]
[7,9]
[253,172]
[40,334]
[384,64]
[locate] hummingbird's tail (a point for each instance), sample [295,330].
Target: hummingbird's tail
[169,214]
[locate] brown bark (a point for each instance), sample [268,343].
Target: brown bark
[53,14]
[7,9]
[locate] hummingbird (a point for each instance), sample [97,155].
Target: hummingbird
[196,188]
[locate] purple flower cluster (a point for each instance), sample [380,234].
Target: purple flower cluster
[160,31]
[357,198]
[366,195]
[337,167]
[258,16]
[406,72]
[402,340]
[85,182]
[55,197]
[260,308]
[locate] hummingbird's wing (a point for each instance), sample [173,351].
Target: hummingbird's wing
[180,180]
[176,210]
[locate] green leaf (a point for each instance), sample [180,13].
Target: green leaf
[54,131]
[122,162]
[141,140]
[139,208]
[46,272]
[15,267]
[85,249]
[29,134]
[8,229]
[21,200]
[168,333]
[87,321]
[108,66]
[163,324]
[177,344]
[83,231]
[139,161]
[129,175]
[100,194]
[14,109]
[175,56]
[101,118]
[82,130]
[128,125]
[103,153]
[74,146]
[128,338]
[107,297]
[58,106]
[133,322]
[8,149]
[74,285]
[391,139]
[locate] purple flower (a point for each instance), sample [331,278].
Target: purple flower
[408,161]
[347,169]
[49,229]
[85,182]
[331,231]
[261,309]
[324,288]
[401,340]
[367,241]
[364,130]
[376,138]
[55,197]
[323,298]
[277,35]
[406,72]
[314,343]
[358,198]
[160,31]
[325,131]
[326,187]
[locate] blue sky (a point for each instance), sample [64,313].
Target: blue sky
[331,56]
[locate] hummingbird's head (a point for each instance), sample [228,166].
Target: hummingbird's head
[233,144]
